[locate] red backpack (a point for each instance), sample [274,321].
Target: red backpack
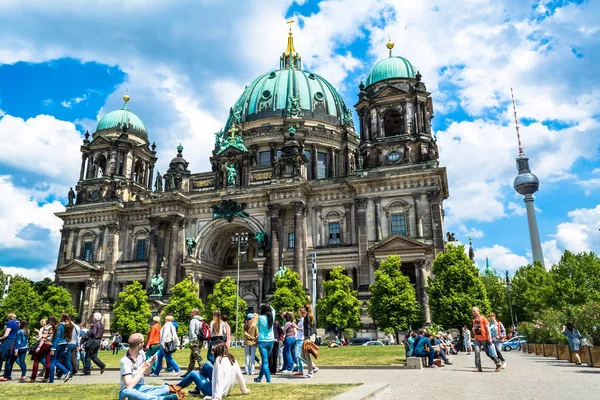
[204,331]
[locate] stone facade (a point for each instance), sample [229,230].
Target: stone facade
[310,185]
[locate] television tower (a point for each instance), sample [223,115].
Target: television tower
[527,184]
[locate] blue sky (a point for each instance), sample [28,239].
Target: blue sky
[185,64]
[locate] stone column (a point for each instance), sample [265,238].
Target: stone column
[304,246]
[174,251]
[424,297]
[363,243]
[87,305]
[100,251]
[75,243]
[151,174]
[90,166]
[82,170]
[152,251]
[330,166]
[314,161]
[132,171]
[418,216]
[298,208]
[181,247]
[436,220]
[377,205]
[62,251]
[348,221]
[319,225]
[274,213]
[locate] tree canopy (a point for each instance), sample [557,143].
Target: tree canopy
[495,290]
[223,299]
[21,300]
[530,290]
[456,289]
[393,301]
[289,293]
[340,307]
[183,300]
[54,301]
[132,311]
[575,279]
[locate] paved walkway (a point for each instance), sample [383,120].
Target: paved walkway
[526,377]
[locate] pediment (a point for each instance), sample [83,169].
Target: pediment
[99,140]
[389,91]
[398,243]
[75,266]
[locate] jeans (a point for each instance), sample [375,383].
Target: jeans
[72,354]
[250,354]
[44,352]
[429,354]
[477,345]
[145,392]
[169,358]
[298,351]
[202,379]
[288,359]
[265,349]
[55,361]
[81,357]
[498,345]
[273,356]
[442,355]
[91,354]
[21,361]
[6,355]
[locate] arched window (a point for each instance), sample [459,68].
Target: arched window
[393,123]
[140,245]
[138,172]
[100,166]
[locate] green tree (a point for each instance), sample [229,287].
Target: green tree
[55,301]
[223,299]
[531,288]
[289,293]
[575,279]
[495,290]
[183,300]
[132,311]
[456,289]
[340,307]
[41,286]
[393,301]
[21,300]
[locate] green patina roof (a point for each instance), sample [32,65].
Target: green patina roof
[390,68]
[120,118]
[269,96]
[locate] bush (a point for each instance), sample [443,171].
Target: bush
[586,318]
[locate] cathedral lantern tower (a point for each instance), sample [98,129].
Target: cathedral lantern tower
[395,112]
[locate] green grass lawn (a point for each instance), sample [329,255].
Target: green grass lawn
[349,355]
[107,392]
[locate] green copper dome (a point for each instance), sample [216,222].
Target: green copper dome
[390,68]
[276,93]
[118,119]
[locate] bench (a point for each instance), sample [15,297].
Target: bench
[416,362]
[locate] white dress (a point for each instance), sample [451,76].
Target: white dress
[224,377]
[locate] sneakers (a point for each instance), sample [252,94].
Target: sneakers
[194,392]
[504,365]
[448,363]
[308,376]
[315,370]
[257,379]
[176,373]
[68,376]
[102,369]
[153,376]
[498,367]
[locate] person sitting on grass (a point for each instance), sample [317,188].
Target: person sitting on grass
[215,382]
[133,368]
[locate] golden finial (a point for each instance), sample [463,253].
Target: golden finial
[290,22]
[290,46]
[390,45]
[126,96]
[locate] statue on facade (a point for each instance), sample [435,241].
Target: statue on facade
[235,113]
[177,181]
[190,245]
[281,271]
[156,286]
[158,185]
[261,239]
[431,152]
[231,174]
[294,106]
[450,237]
[360,160]
[218,138]
[71,196]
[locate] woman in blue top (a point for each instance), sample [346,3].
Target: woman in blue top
[266,338]
[574,338]
[21,348]
[63,335]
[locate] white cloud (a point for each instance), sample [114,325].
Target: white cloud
[516,209]
[35,274]
[19,208]
[2,113]
[47,102]
[470,232]
[501,258]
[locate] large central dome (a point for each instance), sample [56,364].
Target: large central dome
[274,94]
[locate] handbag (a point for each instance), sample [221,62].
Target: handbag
[171,346]
[491,350]
[310,348]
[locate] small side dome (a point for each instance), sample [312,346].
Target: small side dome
[123,119]
[390,68]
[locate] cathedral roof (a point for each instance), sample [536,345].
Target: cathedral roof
[123,118]
[391,67]
[289,89]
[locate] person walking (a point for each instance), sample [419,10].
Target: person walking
[58,349]
[117,343]
[43,349]
[275,354]
[483,339]
[22,348]
[196,324]
[92,345]
[250,342]
[309,334]
[133,367]
[498,333]
[289,341]
[153,342]
[227,330]
[299,370]
[574,338]
[168,334]
[8,343]
[73,347]
[217,332]
[266,339]
[467,340]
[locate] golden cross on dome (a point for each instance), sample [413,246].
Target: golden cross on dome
[290,22]
[233,130]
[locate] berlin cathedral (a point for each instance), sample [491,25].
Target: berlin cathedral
[290,170]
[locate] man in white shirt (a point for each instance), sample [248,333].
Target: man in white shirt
[133,368]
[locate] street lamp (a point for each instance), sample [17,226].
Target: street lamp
[239,240]
[512,317]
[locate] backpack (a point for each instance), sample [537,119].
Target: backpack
[203,331]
